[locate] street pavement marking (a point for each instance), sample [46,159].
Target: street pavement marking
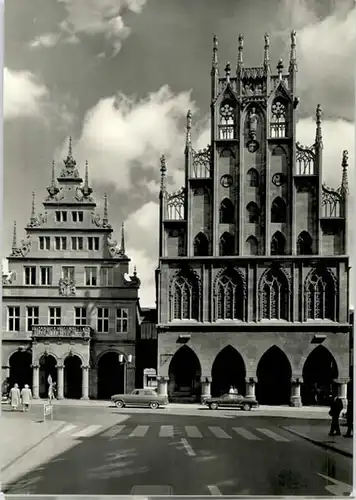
[166,431]
[218,432]
[87,431]
[114,431]
[140,431]
[338,488]
[246,434]
[214,490]
[188,448]
[193,431]
[67,428]
[272,435]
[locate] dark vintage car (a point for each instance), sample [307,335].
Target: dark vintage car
[231,401]
[140,397]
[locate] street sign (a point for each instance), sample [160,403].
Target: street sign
[47,410]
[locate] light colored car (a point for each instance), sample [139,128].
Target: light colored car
[140,397]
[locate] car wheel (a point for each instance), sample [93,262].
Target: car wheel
[153,405]
[119,404]
[246,407]
[213,406]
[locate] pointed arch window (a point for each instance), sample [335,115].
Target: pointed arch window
[304,244]
[278,244]
[201,245]
[253,178]
[274,296]
[227,121]
[321,296]
[252,245]
[185,297]
[278,119]
[278,210]
[253,212]
[226,211]
[230,297]
[227,244]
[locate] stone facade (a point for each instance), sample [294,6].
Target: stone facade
[70,308]
[253,275]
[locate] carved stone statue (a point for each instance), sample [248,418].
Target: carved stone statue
[253,121]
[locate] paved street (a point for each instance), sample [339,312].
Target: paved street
[109,451]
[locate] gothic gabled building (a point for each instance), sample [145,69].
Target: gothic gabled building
[253,276]
[70,308]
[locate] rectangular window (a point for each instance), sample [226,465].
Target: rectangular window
[80,316]
[30,275]
[106,278]
[13,318]
[122,315]
[32,317]
[77,243]
[93,243]
[80,216]
[77,216]
[54,315]
[68,273]
[45,242]
[103,319]
[46,275]
[91,276]
[61,242]
[61,216]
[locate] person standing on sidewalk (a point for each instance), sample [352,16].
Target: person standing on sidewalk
[26,396]
[15,397]
[350,418]
[335,410]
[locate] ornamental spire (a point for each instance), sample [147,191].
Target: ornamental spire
[240,51]
[53,188]
[70,162]
[227,72]
[344,180]
[14,237]
[266,53]
[280,67]
[105,216]
[214,66]
[318,133]
[163,170]
[86,190]
[122,247]
[33,208]
[135,271]
[293,55]
[188,135]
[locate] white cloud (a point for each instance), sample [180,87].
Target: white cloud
[46,40]
[24,95]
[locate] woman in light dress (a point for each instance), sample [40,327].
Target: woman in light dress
[15,397]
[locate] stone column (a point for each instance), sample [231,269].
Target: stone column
[250,388]
[35,381]
[342,390]
[85,382]
[163,386]
[205,388]
[296,399]
[60,381]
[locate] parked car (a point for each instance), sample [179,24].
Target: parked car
[231,400]
[140,397]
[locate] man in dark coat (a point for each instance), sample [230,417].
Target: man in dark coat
[350,418]
[335,410]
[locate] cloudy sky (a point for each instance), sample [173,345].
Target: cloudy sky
[120,75]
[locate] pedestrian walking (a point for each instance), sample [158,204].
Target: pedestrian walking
[350,419]
[335,410]
[15,397]
[26,396]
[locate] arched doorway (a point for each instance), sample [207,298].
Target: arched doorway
[274,375]
[319,372]
[228,370]
[111,375]
[20,368]
[184,375]
[48,367]
[73,377]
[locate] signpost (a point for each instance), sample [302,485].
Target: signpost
[47,410]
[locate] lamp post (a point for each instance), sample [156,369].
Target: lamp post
[125,361]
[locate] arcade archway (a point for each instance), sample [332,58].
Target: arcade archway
[20,369]
[111,375]
[274,375]
[48,368]
[72,377]
[228,370]
[184,375]
[319,372]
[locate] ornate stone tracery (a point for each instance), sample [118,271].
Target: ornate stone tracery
[305,160]
[185,294]
[320,290]
[175,205]
[275,294]
[202,162]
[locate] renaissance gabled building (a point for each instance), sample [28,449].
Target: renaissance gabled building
[253,276]
[70,308]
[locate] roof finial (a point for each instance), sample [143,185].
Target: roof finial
[163,170]
[86,190]
[228,72]
[280,67]
[70,155]
[266,53]
[105,216]
[293,55]
[52,188]
[240,51]
[33,208]
[318,133]
[188,136]
[122,247]
[214,67]
[344,181]
[14,237]
[69,162]
[135,271]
